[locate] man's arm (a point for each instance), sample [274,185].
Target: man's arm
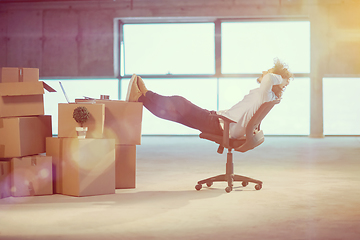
[268,81]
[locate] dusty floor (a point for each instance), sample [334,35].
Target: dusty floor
[311,191]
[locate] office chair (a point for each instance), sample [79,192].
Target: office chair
[253,138]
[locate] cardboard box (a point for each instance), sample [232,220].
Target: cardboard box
[54,149]
[9,75]
[122,121]
[22,98]
[4,179]
[88,166]
[12,74]
[29,74]
[67,124]
[125,166]
[22,136]
[31,176]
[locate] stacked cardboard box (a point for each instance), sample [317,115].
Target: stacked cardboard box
[4,179]
[123,123]
[83,167]
[23,132]
[114,130]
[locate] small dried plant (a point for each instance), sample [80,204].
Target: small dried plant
[81,115]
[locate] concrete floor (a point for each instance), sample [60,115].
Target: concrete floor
[311,191]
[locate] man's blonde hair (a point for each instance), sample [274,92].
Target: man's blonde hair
[281,69]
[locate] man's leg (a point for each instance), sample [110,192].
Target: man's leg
[180,110]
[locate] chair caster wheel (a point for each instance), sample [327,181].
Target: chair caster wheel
[244,183]
[209,184]
[228,189]
[198,187]
[258,187]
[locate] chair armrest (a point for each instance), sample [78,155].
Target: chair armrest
[226,119]
[226,134]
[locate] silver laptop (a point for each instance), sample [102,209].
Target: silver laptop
[62,88]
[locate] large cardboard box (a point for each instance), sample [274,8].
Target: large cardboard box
[21,136]
[125,166]
[67,124]
[31,176]
[12,74]
[54,149]
[122,121]
[22,98]
[88,166]
[4,179]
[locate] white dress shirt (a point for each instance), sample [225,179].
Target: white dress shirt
[243,111]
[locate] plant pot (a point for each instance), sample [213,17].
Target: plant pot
[81,132]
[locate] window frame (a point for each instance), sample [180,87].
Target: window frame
[217,39]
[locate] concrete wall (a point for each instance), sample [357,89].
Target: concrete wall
[60,42]
[65,38]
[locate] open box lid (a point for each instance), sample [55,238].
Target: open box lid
[24,88]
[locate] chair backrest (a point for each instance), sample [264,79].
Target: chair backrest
[254,136]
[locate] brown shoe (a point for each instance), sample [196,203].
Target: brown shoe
[141,85]
[133,92]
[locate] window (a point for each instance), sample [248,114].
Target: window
[341,114]
[250,47]
[179,59]
[172,48]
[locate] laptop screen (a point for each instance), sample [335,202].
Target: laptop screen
[62,88]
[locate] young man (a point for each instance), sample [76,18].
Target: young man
[180,110]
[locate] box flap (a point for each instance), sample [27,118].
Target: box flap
[24,88]
[48,88]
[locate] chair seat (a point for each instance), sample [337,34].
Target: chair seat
[239,144]
[234,143]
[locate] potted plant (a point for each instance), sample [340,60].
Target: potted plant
[81,115]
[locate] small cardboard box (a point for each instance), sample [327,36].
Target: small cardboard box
[22,98]
[22,136]
[31,176]
[88,166]
[12,74]
[122,121]
[67,124]
[29,74]
[54,149]
[125,166]
[4,179]
[9,74]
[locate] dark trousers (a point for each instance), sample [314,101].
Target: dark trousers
[180,110]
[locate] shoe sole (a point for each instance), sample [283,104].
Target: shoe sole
[141,85]
[133,78]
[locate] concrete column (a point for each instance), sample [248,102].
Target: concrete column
[318,34]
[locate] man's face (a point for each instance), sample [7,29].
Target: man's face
[284,83]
